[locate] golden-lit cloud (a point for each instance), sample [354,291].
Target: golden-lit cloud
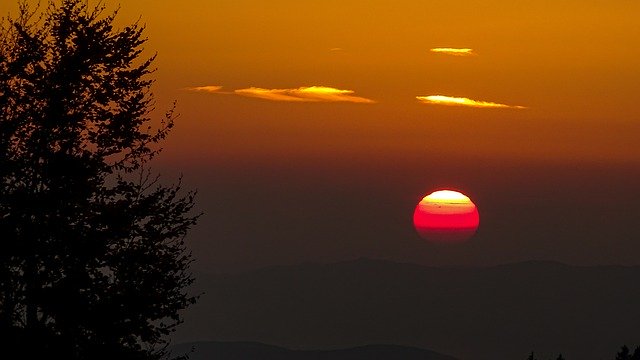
[462,101]
[454,51]
[336,49]
[207,88]
[305,94]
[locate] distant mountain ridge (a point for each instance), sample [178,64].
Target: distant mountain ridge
[498,312]
[251,350]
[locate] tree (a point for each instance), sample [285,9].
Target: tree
[532,356]
[560,357]
[93,263]
[623,354]
[636,354]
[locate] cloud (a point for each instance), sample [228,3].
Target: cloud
[454,51]
[336,49]
[301,94]
[462,101]
[207,88]
[304,94]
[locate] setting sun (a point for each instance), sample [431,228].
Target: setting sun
[446,216]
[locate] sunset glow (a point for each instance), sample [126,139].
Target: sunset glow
[447,196]
[462,101]
[305,94]
[328,101]
[454,51]
[267,155]
[446,216]
[208,88]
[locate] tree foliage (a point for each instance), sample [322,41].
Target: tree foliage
[625,353]
[93,263]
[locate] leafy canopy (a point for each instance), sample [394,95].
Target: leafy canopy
[93,262]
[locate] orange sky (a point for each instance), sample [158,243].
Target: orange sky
[572,64]
[266,129]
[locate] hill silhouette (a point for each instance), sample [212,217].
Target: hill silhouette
[470,313]
[249,350]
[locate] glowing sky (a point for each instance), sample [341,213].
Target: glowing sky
[342,99]
[570,63]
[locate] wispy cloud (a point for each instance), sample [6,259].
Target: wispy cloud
[462,101]
[336,49]
[454,51]
[208,88]
[305,94]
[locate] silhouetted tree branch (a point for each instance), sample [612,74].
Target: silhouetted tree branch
[93,263]
[625,353]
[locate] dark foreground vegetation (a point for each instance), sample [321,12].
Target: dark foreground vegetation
[623,354]
[93,263]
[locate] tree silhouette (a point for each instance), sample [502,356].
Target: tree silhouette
[560,357]
[623,354]
[636,354]
[93,263]
[531,356]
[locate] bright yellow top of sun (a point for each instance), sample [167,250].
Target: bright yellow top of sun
[447,196]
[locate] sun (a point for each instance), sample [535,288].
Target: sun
[446,216]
